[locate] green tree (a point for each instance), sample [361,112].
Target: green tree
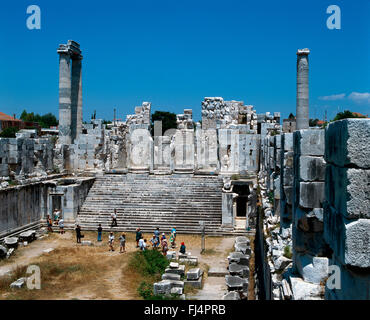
[168,120]
[48,120]
[9,132]
[345,115]
[45,121]
[313,122]
[291,116]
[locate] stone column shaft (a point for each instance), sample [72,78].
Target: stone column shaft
[76,98]
[302,113]
[64,98]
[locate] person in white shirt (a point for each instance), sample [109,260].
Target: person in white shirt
[111,241]
[114,218]
[61,226]
[141,243]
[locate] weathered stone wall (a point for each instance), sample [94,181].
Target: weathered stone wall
[324,197]
[347,206]
[25,157]
[29,204]
[21,206]
[309,252]
[73,193]
[286,179]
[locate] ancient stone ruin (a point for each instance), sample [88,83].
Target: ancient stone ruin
[303,194]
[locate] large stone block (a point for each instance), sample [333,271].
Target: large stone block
[347,143]
[287,141]
[288,195]
[310,142]
[312,168]
[303,290]
[350,240]
[311,194]
[348,191]
[312,269]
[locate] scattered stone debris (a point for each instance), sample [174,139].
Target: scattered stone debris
[11,242]
[19,283]
[3,252]
[194,278]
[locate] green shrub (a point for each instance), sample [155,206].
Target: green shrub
[271,196]
[235,177]
[9,132]
[288,252]
[149,262]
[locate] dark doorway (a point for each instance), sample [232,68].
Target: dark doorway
[242,189]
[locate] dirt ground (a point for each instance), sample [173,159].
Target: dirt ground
[72,271]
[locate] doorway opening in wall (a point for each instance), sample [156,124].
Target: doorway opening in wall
[241,203]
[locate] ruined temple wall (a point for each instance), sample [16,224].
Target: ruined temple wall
[21,206]
[72,197]
[26,157]
[87,151]
[286,179]
[309,253]
[324,197]
[347,206]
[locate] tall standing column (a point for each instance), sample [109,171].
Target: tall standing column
[64,97]
[302,118]
[76,95]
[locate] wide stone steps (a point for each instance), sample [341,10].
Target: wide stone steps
[149,202]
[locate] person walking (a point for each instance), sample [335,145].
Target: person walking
[50,223]
[78,234]
[56,214]
[111,241]
[174,232]
[157,234]
[114,218]
[61,226]
[139,235]
[164,247]
[100,232]
[122,242]
[172,240]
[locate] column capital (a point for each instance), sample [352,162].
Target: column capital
[302,52]
[63,49]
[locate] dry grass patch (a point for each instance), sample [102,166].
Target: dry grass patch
[62,271]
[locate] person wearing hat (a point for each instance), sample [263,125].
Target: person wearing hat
[154,242]
[122,242]
[182,248]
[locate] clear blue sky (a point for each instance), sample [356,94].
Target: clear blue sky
[175,53]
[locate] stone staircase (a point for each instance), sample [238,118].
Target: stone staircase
[150,201]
